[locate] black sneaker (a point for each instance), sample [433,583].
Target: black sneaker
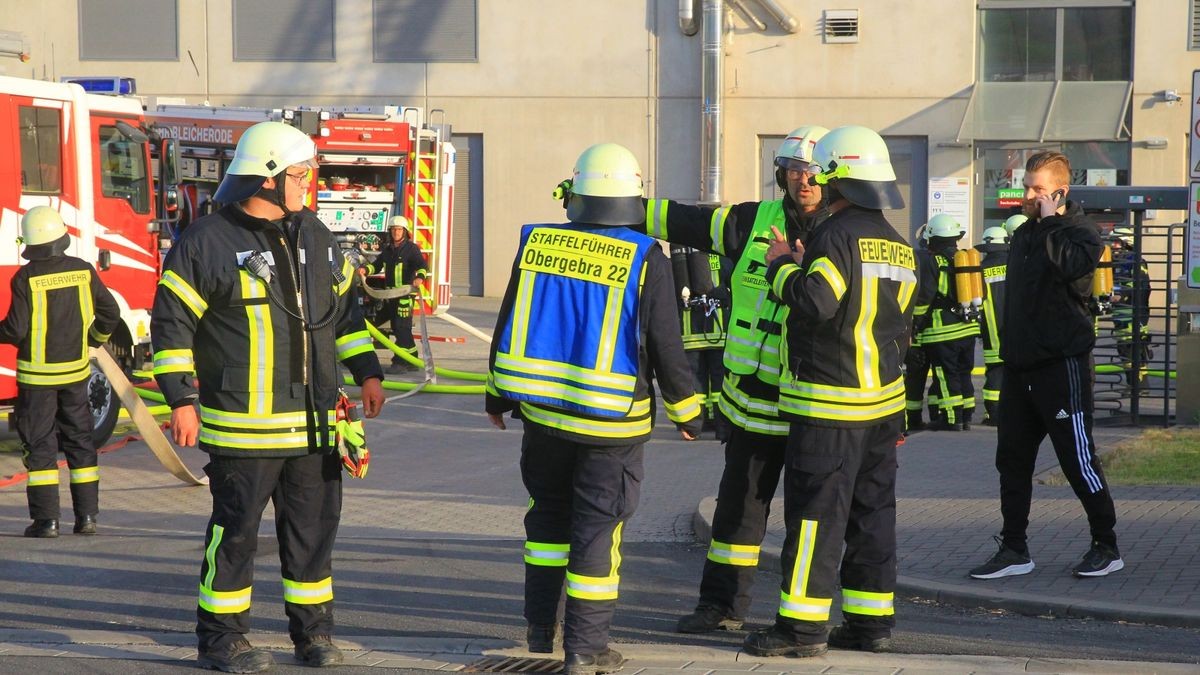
[319,652]
[845,637]
[235,657]
[707,619]
[540,637]
[774,641]
[607,661]
[1101,560]
[1006,563]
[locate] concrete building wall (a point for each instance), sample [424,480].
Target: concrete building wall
[553,78]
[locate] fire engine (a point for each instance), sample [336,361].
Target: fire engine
[375,162]
[88,156]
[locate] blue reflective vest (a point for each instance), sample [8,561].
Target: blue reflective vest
[571,339]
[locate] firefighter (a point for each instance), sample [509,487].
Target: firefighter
[750,394]
[256,302]
[702,285]
[1013,222]
[587,317]
[850,291]
[947,333]
[916,362]
[402,264]
[994,249]
[58,309]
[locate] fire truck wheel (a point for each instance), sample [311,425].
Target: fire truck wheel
[105,406]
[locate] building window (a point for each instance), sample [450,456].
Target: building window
[41,159]
[105,30]
[1042,44]
[423,30]
[283,30]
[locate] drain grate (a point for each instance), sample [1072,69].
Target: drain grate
[513,664]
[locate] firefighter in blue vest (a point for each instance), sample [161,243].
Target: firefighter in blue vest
[947,334]
[850,292]
[256,304]
[587,318]
[994,248]
[750,393]
[59,308]
[702,286]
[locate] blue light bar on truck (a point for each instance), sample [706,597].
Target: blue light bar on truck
[115,86]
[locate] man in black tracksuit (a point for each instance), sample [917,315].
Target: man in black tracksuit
[1047,388]
[402,264]
[588,317]
[59,309]
[256,303]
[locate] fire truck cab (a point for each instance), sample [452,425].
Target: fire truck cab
[375,163]
[86,155]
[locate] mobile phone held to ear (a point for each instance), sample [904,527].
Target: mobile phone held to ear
[1059,197]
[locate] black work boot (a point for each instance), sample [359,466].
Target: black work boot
[85,525]
[235,657]
[43,528]
[319,652]
[607,661]
[540,637]
[964,416]
[776,641]
[847,637]
[706,619]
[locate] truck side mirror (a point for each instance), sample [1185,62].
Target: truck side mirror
[104,259]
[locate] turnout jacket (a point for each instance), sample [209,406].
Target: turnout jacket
[851,307]
[399,264]
[1050,266]
[995,273]
[267,384]
[59,308]
[741,232]
[937,299]
[530,316]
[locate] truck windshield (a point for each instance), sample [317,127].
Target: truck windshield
[123,169]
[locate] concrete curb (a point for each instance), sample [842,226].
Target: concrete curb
[987,594]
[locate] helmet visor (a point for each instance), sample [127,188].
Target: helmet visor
[797,165]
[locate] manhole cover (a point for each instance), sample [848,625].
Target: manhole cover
[513,664]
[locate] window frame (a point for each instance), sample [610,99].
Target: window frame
[1059,7]
[137,156]
[37,164]
[82,29]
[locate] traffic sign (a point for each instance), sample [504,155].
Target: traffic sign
[1194,137]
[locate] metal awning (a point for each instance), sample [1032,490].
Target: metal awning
[1047,111]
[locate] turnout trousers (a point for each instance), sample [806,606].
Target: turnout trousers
[708,373]
[402,327]
[993,377]
[1055,400]
[839,488]
[307,495]
[47,420]
[916,373]
[580,497]
[753,463]
[951,362]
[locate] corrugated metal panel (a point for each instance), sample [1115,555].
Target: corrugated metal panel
[424,30]
[283,30]
[1194,33]
[104,30]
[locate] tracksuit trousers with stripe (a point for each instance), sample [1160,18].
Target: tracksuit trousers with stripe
[753,463]
[1056,400]
[48,418]
[580,497]
[307,495]
[839,488]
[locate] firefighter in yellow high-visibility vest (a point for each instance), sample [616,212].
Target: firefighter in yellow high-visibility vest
[588,316]
[59,308]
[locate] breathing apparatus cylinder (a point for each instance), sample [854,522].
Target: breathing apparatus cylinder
[968,278]
[1102,280]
